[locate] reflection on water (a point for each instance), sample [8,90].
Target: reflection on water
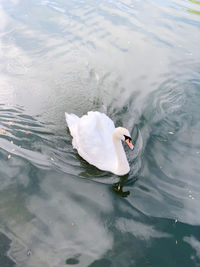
[193,10]
[139,63]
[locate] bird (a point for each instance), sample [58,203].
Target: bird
[98,141]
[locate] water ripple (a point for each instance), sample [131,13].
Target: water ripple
[139,63]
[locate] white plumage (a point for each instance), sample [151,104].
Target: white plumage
[94,138]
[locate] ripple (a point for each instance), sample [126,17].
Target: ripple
[131,60]
[24,136]
[168,173]
[27,139]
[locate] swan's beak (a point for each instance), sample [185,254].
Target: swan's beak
[129,143]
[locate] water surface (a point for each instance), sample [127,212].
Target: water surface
[139,63]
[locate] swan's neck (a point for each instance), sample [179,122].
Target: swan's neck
[122,163]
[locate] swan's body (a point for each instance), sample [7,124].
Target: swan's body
[99,142]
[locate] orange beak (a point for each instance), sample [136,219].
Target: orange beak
[129,143]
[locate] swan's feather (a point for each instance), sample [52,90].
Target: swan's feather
[92,137]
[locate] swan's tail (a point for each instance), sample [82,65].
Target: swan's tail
[71,120]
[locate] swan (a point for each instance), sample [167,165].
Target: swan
[99,142]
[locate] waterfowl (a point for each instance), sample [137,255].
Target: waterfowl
[99,142]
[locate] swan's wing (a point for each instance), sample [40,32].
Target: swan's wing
[93,140]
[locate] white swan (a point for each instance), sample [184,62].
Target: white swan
[99,142]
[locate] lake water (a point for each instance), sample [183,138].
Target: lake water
[136,61]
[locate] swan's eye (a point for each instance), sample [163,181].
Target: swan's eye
[127,138]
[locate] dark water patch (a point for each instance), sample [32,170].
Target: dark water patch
[5,242]
[152,241]
[101,262]
[73,261]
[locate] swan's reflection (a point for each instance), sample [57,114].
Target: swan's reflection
[118,187]
[117,182]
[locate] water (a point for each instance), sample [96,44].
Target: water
[139,63]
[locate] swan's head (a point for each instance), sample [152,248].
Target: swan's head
[124,135]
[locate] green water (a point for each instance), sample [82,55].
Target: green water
[136,61]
